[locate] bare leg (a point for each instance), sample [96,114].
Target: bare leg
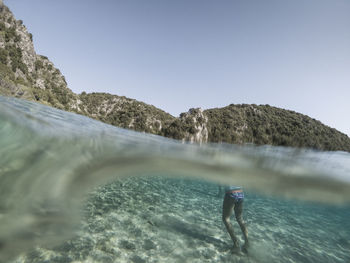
[239,218]
[226,213]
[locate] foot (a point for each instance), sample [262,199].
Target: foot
[236,249]
[245,248]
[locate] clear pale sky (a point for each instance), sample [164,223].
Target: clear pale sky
[180,54]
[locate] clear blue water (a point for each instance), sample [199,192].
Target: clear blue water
[76,190]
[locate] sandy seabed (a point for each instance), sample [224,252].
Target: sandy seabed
[155,219]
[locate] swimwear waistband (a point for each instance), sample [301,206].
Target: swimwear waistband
[234,191]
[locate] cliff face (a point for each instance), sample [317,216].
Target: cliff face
[190,126]
[197,122]
[24,74]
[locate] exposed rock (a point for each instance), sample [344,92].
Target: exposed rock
[197,120]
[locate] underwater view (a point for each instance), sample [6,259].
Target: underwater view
[73,189]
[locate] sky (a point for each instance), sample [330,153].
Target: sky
[181,54]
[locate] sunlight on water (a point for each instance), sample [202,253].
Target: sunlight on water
[51,211]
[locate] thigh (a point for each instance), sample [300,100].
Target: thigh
[239,209]
[227,206]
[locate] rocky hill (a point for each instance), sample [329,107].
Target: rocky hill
[25,74]
[256,124]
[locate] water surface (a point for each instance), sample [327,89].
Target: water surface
[76,190]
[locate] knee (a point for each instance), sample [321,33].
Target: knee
[226,220]
[240,220]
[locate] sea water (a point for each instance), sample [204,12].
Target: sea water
[73,189]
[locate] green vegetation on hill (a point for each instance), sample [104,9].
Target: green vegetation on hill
[124,112]
[264,124]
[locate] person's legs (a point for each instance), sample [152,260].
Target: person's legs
[226,213]
[238,213]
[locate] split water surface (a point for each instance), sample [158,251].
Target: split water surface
[73,189]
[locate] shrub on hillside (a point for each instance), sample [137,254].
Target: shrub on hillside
[3,56]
